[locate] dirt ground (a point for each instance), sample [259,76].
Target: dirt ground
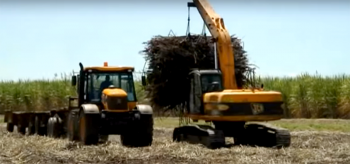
[307,147]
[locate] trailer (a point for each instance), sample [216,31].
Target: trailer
[37,122]
[103,107]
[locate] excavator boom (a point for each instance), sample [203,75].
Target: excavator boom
[222,37]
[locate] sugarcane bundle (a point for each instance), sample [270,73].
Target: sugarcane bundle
[171,59]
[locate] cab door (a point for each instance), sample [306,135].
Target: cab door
[195,97]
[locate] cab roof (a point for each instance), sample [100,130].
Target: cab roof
[110,68]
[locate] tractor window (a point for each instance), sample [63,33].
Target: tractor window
[128,86]
[208,79]
[99,81]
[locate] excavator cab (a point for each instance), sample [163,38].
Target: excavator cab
[210,80]
[202,81]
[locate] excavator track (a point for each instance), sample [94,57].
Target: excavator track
[264,135]
[261,135]
[200,134]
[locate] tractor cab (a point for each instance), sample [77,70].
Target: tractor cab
[107,86]
[107,105]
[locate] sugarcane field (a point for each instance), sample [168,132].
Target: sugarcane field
[193,81]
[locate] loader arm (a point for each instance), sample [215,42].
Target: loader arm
[216,26]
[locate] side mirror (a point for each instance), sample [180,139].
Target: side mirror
[74,80]
[143,80]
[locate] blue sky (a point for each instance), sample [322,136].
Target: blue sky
[38,39]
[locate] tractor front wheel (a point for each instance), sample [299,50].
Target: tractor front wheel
[88,128]
[140,133]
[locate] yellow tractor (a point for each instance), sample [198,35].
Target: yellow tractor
[107,105]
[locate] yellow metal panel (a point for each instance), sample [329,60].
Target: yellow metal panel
[242,96]
[131,105]
[109,68]
[114,92]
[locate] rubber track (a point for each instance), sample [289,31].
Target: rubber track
[281,138]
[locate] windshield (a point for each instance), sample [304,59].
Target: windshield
[208,79]
[99,81]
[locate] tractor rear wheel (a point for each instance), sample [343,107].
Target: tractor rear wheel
[140,133]
[88,128]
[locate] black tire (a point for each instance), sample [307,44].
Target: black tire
[49,127]
[57,127]
[39,130]
[140,133]
[178,136]
[10,127]
[54,127]
[21,129]
[31,127]
[103,138]
[240,139]
[72,127]
[88,128]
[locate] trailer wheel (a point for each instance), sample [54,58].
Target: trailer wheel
[38,129]
[140,133]
[71,128]
[21,129]
[31,127]
[49,127]
[10,127]
[54,127]
[88,128]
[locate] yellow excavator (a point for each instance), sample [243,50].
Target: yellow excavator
[215,97]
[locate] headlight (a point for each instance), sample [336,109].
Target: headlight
[220,107]
[215,112]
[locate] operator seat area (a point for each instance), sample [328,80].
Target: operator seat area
[105,84]
[211,84]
